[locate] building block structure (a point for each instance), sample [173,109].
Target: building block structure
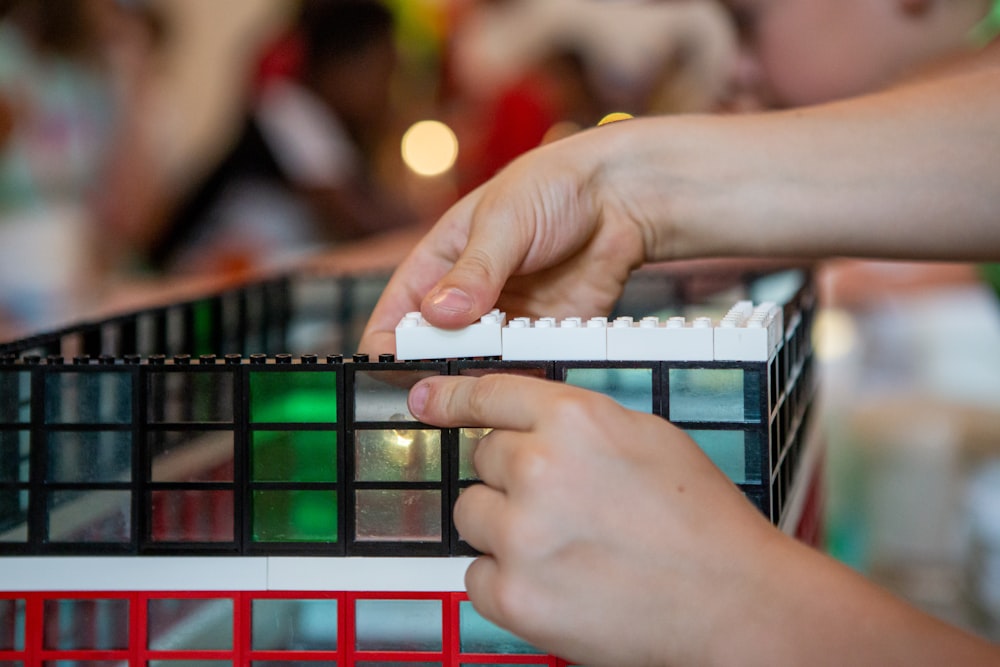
[193,484]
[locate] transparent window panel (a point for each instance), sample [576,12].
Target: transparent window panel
[89,456]
[397,455]
[190,624]
[381,395]
[12,624]
[192,515]
[190,396]
[100,624]
[294,625]
[713,395]
[477,635]
[15,454]
[736,453]
[468,438]
[191,456]
[88,398]
[294,515]
[293,456]
[631,387]
[96,515]
[293,397]
[15,397]
[398,625]
[395,515]
[13,515]
[526,372]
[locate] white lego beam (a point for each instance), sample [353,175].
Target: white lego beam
[652,340]
[417,339]
[749,333]
[132,573]
[367,574]
[547,339]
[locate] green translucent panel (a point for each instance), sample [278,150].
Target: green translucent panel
[89,456]
[736,453]
[12,624]
[468,438]
[100,624]
[88,398]
[714,395]
[13,516]
[293,397]
[294,625]
[398,625]
[293,456]
[193,395]
[478,635]
[178,624]
[15,397]
[397,455]
[15,451]
[204,327]
[191,456]
[632,387]
[294,515]
[398,515]
[380,396]
[192,515]
[89,516]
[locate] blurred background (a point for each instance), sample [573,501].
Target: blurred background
[144,143]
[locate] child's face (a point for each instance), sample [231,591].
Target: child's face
[799,52]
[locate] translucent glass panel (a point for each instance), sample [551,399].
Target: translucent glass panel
[398,625]
[293,397]
[190,624]
[294,625]
[88,398]
[100,624]
[736,453]
[89,516]
[401,515]
[477,635]
[381,395]
[13,515]
[294,515]
[15,449]
[397,455]
[293,456]
[190,396]
[714,395]
[12,624]
[89,456]
[632,387]
[192,515]
[191,456]
[15,397]
[468,438]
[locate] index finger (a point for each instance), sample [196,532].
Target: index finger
[509,402]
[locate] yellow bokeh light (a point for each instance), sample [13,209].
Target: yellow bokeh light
[430,148]
[614,117]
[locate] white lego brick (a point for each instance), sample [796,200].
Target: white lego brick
[367,574]
[652,340]
[131,573]
[748,333]
[547,339]
[417,339]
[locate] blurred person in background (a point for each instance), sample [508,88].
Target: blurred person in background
[302,175]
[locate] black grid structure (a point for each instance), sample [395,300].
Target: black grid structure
[131,446]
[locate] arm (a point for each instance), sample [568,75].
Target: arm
[679,569]
[906,173]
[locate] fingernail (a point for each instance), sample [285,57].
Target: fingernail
[452,300]
[418,398]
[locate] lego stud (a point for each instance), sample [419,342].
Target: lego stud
[283,358]
[360,358]
[386,358]
[334,358]
[258,358]
[234,359]
[309,358]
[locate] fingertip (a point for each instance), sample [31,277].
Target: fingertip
[417,400]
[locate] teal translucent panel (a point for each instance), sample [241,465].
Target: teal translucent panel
[175,624]
[397,455]
[15,451]
[468,438]
[89,456]
[89,516]
[381,395]
[632,387]
[191,396]
[293,456]
[398,625]
[294,515]
[736,453]
[714,395]
[294,625]
[477,635]
[293,397]
[88,398]
[12,624]
[100,624]
[398,515]
[15,397]
[13,515]
[191,456]
[192,515]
